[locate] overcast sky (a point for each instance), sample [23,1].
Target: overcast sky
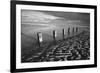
[54,17]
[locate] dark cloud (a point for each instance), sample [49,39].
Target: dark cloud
[55,17]
[83,17]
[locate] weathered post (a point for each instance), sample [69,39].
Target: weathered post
[40,39]
[54,35]
[63,34]
[76,30]
[73,31]
[69,31]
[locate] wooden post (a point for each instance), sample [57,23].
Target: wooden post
[39,36]
[73,31]
[76,30]
[63,34]
[54,35]
[68,31]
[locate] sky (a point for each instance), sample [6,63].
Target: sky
[47,18]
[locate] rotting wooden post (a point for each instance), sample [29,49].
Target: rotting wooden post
[40,39]
[63,34]
[69,31]
[73,31]
[54,35]
[76,30]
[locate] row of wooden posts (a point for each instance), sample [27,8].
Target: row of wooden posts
[40,38]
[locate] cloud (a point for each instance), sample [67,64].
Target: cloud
[29,16]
